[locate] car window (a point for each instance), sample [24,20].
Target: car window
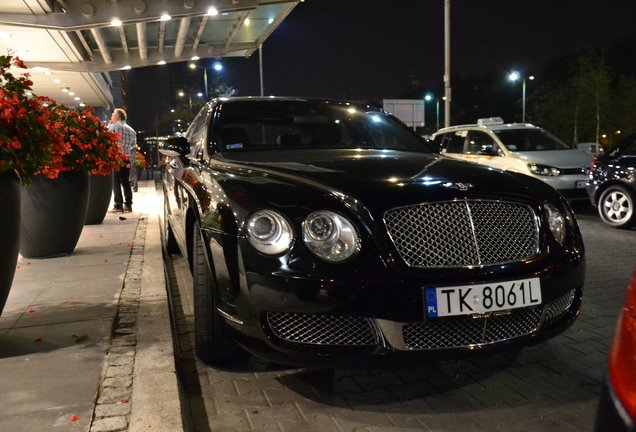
[267,125]
[480,143]
[524,140]
[454,142]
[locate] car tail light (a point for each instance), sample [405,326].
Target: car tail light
[622,359]
[592,166]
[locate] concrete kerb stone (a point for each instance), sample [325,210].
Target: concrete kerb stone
[139,390]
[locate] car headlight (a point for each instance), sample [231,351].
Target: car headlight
[556,222]
[330,236]
[269,232]
[543,170]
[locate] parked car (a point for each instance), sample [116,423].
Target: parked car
[329,234]
[617,404]
[612,184]
[519,147]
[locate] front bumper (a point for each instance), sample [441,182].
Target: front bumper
[288,330]
[572,187]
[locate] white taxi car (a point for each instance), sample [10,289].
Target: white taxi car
[519,147]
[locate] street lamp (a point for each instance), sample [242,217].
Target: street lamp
[217,66]
[514,76]
[429,97]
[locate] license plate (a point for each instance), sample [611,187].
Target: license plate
[482,298]
[580,184]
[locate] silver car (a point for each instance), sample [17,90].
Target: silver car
[519,147]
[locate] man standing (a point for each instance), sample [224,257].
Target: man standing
[128,143]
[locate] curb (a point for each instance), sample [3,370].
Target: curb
[139,387]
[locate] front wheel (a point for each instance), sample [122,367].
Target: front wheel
[616,207]
[213,343]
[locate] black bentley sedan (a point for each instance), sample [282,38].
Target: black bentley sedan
[328,233]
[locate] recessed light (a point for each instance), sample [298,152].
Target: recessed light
[116,22]
[165,17]
[161,62]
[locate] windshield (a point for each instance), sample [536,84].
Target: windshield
[296,124]
[525,140]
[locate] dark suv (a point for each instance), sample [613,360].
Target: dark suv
[612,184]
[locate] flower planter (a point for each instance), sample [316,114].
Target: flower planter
[9,231]
[53,214]
[101,190]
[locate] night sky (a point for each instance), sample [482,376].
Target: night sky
[368,49]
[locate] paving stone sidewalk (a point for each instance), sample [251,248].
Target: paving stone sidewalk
[85,339]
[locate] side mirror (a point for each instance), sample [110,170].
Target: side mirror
[175,146]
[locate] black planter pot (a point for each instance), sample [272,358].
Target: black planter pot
[10,209]
[101,189]
[53,214]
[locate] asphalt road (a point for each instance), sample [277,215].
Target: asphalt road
[550,387]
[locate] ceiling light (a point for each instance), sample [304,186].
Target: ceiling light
[247,22]
[57,81]
[65,89]
[126,67]
[71,93]
[116,23]
[194,58]
[271,20]
[76,98]
[212,11]
[161,62]
[165,17]
[82,104]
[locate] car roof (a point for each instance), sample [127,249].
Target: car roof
[487,126]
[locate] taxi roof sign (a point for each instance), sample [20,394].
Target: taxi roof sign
[490,121]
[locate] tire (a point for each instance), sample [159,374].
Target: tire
[616,207]
[213,343]
[171,242]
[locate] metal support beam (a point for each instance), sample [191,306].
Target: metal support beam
[161,36]
[142,42]
[122,37]
[101,44]
[184,25]
[200,30]
[236,26]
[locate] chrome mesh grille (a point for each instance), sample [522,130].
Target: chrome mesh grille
[320,329]
[557,307]
[463,331]
[463,233]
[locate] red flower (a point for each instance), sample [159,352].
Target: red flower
[89,146]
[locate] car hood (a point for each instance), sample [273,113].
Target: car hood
[558,158]
[386,176]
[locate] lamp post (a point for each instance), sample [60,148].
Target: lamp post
[514,76]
